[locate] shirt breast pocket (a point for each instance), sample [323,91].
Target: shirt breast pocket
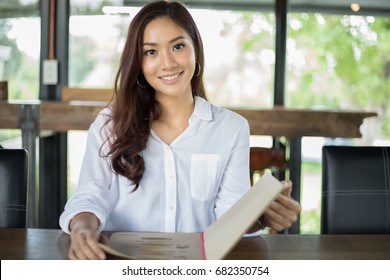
[203,175]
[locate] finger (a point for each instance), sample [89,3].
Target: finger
[274,220]
[95,248]
[86,253]
[103,239]
[76,254]
[71,255]
[91,249]
[287,188]
[84,246]
[288,203]
[282,214]
[273,216]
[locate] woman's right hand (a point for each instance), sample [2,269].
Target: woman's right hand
[84,238]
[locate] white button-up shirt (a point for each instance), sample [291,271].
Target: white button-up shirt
[186,185]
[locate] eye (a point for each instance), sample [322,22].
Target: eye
[150,52]
[178,47]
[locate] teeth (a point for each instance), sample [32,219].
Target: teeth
[170,78]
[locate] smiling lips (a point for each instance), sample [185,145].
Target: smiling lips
[170,78]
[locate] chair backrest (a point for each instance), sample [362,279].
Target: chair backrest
[355,190]
[262,158]
[13,187]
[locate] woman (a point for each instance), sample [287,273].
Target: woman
[160,157]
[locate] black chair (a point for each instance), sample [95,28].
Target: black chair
[355,190]
[13,187]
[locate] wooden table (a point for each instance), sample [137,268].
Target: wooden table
[45,244]
[33,117]
[278,121]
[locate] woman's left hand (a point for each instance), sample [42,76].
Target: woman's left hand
[283,211]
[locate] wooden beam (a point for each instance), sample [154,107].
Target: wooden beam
[278,121]
[87,94]
[292,123]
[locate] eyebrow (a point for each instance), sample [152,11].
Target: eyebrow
[170,41]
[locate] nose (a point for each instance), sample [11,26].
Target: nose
[168,60]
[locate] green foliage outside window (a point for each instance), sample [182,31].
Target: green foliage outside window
[340,62]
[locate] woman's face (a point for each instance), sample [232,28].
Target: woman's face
[168,62]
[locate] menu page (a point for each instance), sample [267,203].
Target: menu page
[155,245]
[237,220]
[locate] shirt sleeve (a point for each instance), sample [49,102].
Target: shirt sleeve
[93,193]
[236,179]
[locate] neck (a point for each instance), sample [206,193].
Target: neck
[175,113]
[176,109]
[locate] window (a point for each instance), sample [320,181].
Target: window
[20,48]
[336,62]
[19,55]
[344,66]
[239,51]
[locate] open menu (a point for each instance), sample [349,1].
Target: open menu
[214,243]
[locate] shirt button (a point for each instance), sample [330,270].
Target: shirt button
[170,208]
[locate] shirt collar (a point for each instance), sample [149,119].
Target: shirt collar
[202,110]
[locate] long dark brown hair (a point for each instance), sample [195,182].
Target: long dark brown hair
[135,107]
